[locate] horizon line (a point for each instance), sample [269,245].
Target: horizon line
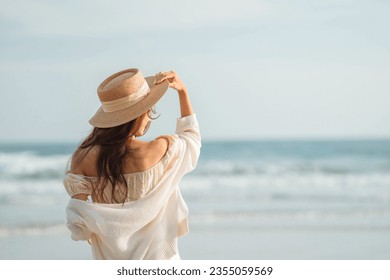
[215,139]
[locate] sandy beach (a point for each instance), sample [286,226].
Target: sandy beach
[233,244]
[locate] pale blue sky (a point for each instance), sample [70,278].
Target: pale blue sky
[254,69]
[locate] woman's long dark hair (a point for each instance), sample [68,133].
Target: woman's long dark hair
[113,149]
[110,162]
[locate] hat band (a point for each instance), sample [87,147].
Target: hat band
[127,101]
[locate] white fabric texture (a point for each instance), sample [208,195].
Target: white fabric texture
[149,226]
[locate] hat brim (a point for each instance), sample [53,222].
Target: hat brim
[103,119]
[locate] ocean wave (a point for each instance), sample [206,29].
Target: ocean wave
[346,183]
[277,186]
[261,219]
[30,191]
[38,229]
[293,219]
[30,166]
[291,166]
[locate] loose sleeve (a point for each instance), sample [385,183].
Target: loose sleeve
[77,184]
[188,140]
[77,224]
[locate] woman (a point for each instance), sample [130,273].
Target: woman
[135,210]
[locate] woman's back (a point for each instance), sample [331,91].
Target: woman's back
[142,168]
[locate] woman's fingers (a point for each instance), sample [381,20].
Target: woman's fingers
[174,80]
[161,76]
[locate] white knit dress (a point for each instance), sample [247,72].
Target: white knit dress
[154,216]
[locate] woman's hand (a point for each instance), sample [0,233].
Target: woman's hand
[176,83]
[174,80]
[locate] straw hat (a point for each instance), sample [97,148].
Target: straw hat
[125,96]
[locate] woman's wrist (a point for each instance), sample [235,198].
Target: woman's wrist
[185,104]
[182,91]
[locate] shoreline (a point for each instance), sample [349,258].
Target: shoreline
[222,244]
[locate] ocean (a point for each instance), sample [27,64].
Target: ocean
[237,186]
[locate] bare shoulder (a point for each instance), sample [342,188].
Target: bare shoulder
[158,148]
[83,162]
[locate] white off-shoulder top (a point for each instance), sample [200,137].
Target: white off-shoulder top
[154,216]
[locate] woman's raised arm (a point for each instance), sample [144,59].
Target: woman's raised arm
[176,83]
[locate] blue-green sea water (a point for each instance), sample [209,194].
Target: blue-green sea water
[343,184]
